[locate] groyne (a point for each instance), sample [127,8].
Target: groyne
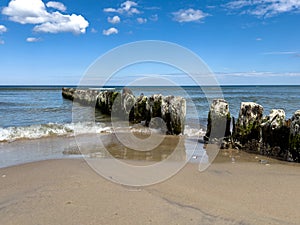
[271,135]
[142,109]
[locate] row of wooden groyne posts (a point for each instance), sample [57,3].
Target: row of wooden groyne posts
[271,135]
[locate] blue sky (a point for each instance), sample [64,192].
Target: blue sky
[242,41]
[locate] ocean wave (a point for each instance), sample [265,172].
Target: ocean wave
[193,132]
[11,134]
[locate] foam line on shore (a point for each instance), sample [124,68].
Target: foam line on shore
[10,134]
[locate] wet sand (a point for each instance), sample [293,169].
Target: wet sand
[68,191]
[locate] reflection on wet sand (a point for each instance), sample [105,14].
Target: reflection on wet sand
[113,145]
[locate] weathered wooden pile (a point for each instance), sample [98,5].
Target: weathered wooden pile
[141,109]
[270,135]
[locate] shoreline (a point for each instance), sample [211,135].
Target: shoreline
[68,191]
[61,147]
[224,156]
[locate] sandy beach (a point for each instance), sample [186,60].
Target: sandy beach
[139,112]
[68,191]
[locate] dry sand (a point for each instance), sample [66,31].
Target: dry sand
[67,191]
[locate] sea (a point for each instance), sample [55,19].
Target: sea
[37,123]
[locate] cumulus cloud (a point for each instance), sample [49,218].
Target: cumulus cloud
[264,8]
[3,29]
[114,20]
[63,23]
[26,11]
[189,15]
[141,20]
[127,7]
[33,39]
[56,5]
[110,31]
[34,12]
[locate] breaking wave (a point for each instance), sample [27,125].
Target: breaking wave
[10,134]
[47,130]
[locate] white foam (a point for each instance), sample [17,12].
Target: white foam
[193,132]
[51,129]
[70,129]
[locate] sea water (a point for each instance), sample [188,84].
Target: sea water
[34,113]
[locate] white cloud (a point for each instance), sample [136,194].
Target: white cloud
[110,10]
[189,15]
[264,8]
[33,39]
[114,20]
[2,42]
[211,7]
[26,11]
[288,53]
[56,5]
[63,23]
[280,53]
[34,12]
[258,39]
[154,17]
[110,31]
[237,4]
[3,29]
[141,20]
[127,7]
[259,74]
